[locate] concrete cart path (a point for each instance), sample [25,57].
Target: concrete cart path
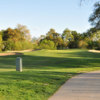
[82,87]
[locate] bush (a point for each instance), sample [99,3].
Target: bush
[8,45]
[26,45]
[19,45]
[47,44]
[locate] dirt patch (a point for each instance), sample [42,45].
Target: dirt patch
[20,51]
[8,53]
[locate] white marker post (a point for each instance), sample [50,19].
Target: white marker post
[19,64]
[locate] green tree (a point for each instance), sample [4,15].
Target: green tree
[52,35]
[1,41]
[95,17]
[55,37]
[96,36]
[24,32]
[11,34]
[67,35]
[17,39]
[75,41]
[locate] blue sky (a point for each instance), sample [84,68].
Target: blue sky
[41,15]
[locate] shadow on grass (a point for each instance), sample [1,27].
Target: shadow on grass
[83,54]
[28,85]
[74,60]
[33,76]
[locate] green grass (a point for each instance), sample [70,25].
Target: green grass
[44,72]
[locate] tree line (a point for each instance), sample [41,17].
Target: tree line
[68,39]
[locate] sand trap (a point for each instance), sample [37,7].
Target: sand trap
[95,51]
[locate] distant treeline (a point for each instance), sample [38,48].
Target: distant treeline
[20,39]
[68,39]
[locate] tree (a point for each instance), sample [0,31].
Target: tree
[55,37]
[1,41]
[25,33]
[96,36]
[16,39]
[76,39]
[11,34]
[67,35]
[52,34]
[95,17]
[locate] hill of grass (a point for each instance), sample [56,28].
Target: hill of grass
[43,73]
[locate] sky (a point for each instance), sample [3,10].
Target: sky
[41,15]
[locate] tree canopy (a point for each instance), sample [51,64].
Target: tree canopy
[95,17]
[15,39]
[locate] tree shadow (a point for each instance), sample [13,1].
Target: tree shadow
[72,60]
[33,76]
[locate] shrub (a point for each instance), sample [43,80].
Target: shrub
[9,45]
[47,44]
[26,45]
[19,45]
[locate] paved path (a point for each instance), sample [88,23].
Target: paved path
[82,87]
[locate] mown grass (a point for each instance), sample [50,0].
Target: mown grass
[43,73]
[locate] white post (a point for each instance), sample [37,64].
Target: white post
[19,64]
